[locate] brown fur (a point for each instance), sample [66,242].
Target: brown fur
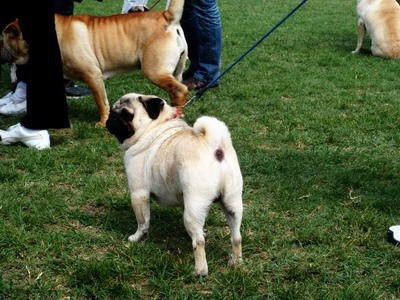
[381,18]
[13,48]
[96,48]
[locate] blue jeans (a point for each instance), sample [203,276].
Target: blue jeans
[201,23]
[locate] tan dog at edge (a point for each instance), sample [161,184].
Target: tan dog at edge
[178,165]
[381,19]
[96,48]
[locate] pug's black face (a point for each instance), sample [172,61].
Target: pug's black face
[120,120]
[120,124]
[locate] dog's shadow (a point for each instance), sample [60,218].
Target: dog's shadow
[166,224]
[346,43]
[167,231]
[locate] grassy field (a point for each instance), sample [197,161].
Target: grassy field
[316,131]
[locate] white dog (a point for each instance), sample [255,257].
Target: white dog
[381,19]
[179,165]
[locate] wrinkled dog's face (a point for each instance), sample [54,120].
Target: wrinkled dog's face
[132,112]
[13,47]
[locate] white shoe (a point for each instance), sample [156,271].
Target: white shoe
[6,99]
[38,139]
[393,234]
[14,102]
[13,108]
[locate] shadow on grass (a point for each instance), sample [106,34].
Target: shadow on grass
[328,176]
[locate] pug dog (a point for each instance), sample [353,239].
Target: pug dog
[178,165]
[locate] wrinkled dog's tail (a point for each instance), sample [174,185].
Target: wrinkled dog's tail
[215,132]
[174,11]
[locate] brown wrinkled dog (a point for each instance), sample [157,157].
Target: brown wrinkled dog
[96,48]
[381,19]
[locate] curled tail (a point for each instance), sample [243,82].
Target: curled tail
[174,11]
[216,134]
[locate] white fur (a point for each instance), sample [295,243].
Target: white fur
[178,164]
[381,19]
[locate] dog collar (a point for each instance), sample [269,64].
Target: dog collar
[177,114]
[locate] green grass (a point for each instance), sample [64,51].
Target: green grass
[316,131]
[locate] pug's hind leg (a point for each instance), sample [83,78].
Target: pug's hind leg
[194,218]
[232,207]
[141,208]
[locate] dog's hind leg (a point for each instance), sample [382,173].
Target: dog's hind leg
[194,218]
[176,90]
[141,208]
[360,38]
[232,207]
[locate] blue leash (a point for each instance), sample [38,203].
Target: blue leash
[200,92]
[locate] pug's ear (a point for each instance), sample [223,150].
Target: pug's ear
[153,106]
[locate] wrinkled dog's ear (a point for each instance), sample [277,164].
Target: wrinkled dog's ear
[119,124]
[153,106]
[12,31]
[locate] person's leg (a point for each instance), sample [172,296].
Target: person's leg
[210,42]
[50,110]
[43,111]
[201,23]
[189,23]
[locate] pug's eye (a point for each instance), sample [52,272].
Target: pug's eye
[126,115]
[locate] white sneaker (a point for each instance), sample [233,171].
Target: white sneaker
[393,234]
[15,103]
[6,99]
[13,108]
[38,139]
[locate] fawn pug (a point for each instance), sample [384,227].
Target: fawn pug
[179,165]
